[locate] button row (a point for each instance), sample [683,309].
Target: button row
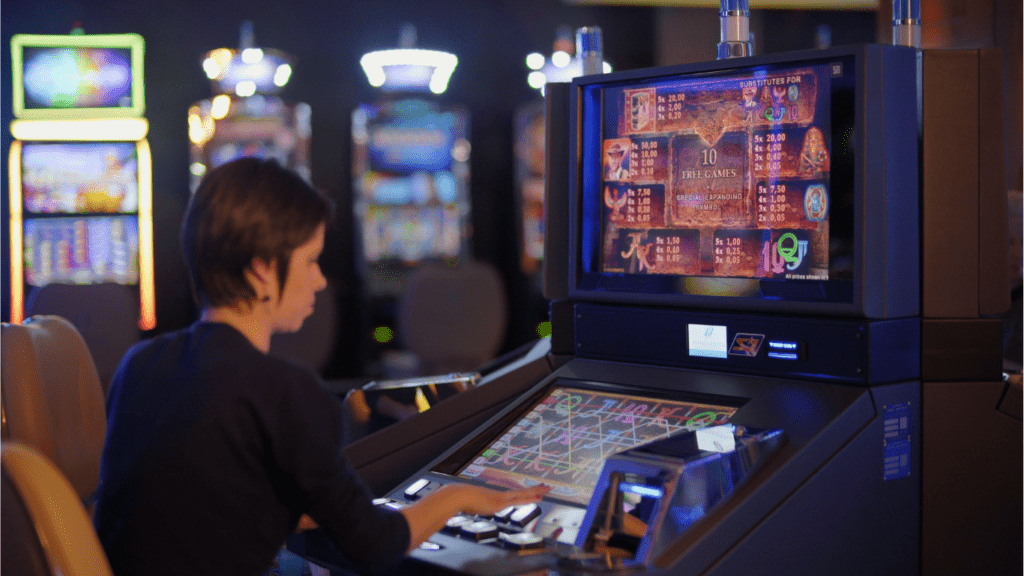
[482,530]
[518,515]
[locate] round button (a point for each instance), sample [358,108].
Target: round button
[455,522]
[480,530]
[522,540]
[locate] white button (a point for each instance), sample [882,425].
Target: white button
[416,487]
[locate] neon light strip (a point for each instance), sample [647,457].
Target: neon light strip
[111,129]
[443,63]
[147,292]
[16,231]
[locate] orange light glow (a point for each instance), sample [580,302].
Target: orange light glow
[147,291]
[17,253]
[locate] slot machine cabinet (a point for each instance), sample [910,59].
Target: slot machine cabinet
[852,372]
[643,341]
[410,181]
[539,161]
[247,116]
[80,170]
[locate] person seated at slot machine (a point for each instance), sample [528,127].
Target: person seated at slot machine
[216,451]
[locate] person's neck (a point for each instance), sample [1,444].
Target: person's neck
[253,321]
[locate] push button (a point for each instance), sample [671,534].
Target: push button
[524,514]
[504,513]
[522,541]
[389,503]
[479,530]
[412,492]
[455,522]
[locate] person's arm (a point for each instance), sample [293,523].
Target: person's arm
[432,512]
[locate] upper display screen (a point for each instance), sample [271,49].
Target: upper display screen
[79,76]
[722,176]
[763,183]
[80,177]
[719,176]
[563,439]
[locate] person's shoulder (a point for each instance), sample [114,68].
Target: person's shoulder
[287,367]
[149,347]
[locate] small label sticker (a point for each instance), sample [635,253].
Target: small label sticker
[896,441]
[897,459]
[746,344]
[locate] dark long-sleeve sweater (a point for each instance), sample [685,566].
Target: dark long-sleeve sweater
[213,452]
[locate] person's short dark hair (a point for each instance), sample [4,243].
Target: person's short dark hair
[245,209]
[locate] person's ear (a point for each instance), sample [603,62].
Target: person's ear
[263,276]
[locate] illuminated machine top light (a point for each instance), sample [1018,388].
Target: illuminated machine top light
[562,66]
[409,69]
[247,70]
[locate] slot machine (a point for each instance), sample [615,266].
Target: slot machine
[756,369]
[80,168]
[247,116]
[565,63]
[410,179]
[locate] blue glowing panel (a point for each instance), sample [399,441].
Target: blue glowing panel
[418,141]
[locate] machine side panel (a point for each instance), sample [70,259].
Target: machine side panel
[950,184]
[971,494]
[803,535]
[993,271]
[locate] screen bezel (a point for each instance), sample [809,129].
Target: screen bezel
[132,42]
[464,455]
[885,260]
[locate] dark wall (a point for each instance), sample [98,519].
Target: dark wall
[490,37]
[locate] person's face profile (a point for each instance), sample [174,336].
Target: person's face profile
[304,280]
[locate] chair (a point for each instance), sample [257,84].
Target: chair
[453,318]
[52,398]
[106,315]
[45,529]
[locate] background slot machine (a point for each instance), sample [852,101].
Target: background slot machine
[410,171]
[563,65]
[247,117]
[80,180]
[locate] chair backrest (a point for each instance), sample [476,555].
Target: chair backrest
[52,398]
[453,318]
[106,315]
[45,529]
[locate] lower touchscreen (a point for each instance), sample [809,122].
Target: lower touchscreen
[563,440]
